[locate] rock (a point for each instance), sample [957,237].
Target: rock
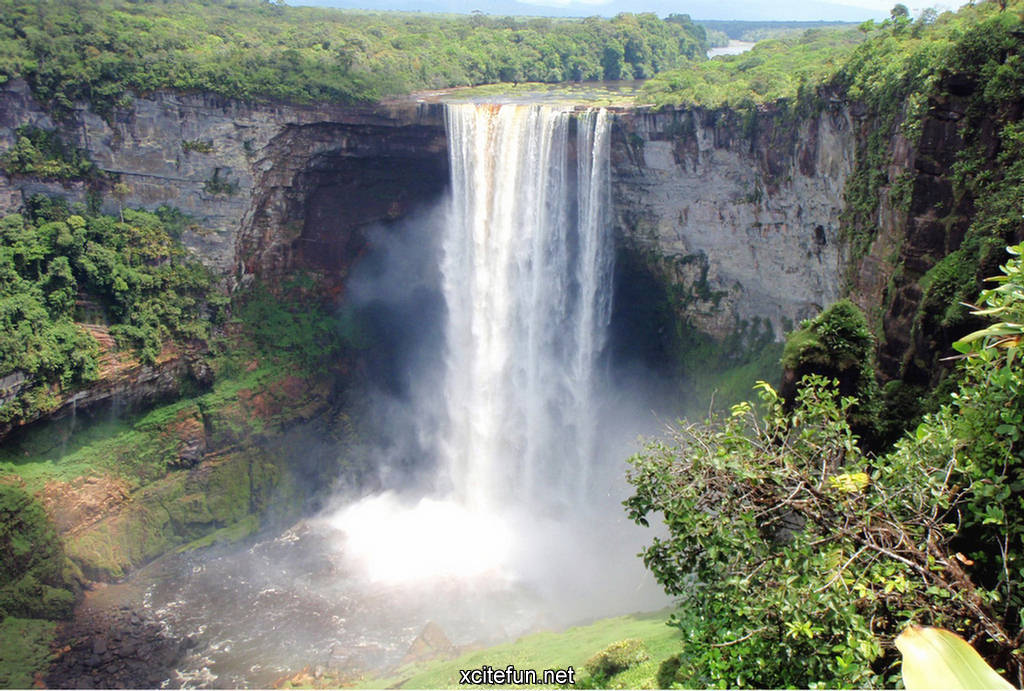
[431,643]
[747,224]
[191,435]
[92,658]
[84,501]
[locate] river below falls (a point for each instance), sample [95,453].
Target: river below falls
[258,613]
[290,602]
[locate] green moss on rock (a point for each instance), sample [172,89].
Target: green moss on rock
[183,507]
[37,580]
[24,650]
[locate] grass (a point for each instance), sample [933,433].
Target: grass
[550,650]
[734,384]
[24,650]
[236,532]
[125,448]
[134,447]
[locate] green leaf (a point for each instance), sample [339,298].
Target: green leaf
[934,658]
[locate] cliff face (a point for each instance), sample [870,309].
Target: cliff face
[741,218]
[270,189]
[914,234]
[264,183]
[738,216]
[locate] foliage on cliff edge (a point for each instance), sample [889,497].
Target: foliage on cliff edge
[798,557]
[60,269]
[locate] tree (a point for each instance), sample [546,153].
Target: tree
[798,557]
[121,191]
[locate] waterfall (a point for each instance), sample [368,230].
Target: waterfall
[526,272]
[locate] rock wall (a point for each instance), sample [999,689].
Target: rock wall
[912,237]
[741,216]
[245,172]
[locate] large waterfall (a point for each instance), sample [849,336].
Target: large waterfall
[527,262]
[525,530]
[529,441]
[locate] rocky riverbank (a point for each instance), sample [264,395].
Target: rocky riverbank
[115,647]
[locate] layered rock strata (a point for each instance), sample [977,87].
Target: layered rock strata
[742,216]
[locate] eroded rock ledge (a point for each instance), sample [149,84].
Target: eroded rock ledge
[271,187]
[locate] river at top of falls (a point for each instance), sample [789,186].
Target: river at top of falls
[522,528]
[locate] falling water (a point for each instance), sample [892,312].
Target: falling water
[527,264]
[522,540]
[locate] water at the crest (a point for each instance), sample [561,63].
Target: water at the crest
[527,264]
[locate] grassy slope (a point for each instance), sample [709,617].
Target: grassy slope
[549,650]
[136,448]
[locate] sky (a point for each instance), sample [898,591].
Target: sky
[757,10]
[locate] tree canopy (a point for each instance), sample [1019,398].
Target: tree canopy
[97,51]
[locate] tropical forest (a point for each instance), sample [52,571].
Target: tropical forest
[344,347]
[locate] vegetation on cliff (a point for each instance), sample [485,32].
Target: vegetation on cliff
[60,269]
[904,71]
[40,153]
[99,51]
[951,94]
[799,557]
[160,478]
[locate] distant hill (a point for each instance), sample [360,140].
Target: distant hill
[741,10]
[740,30]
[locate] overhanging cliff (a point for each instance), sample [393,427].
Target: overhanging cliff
[271,187]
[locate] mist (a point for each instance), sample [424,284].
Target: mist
[495,420]
[564,539]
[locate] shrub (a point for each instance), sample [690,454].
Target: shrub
[41,153]
[838,344]
[798,557]
[617,657]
